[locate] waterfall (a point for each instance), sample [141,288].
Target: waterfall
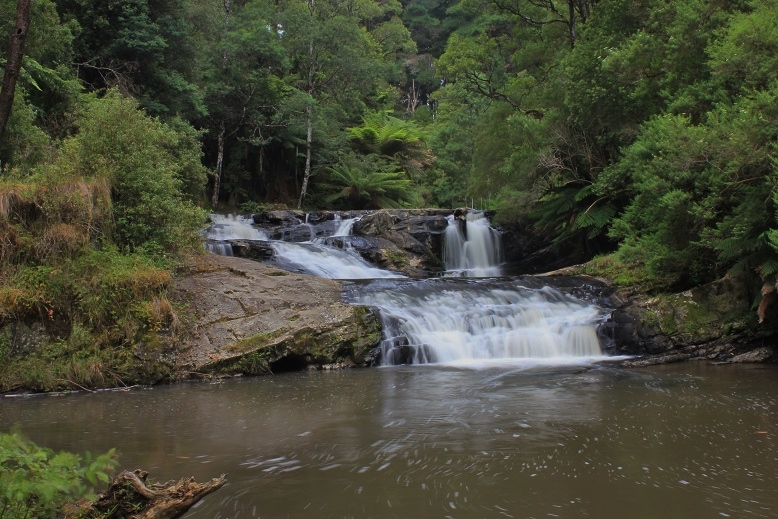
[325,261]
[346,227]
[455,319]
[476,252]
[450,321]
[230,227]
[314,256]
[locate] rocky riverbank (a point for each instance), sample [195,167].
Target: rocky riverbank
[251,318]
[714,323]
[236,315]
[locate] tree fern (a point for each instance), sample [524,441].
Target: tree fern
[596,218]
[357,188]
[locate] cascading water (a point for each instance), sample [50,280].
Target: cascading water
[230,227]
[474,252]
[457,321]
[326,261]
[453,319]
[314,256]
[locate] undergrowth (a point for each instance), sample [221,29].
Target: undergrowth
[37,482]
[88,241]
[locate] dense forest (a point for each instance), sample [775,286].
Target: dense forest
[643,131]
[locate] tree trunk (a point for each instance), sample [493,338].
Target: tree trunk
[309,113]
[219,165]
[571,25]
[13,64]
[308,146]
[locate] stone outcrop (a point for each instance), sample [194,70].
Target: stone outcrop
[252,318]
[714,322]
[407,241]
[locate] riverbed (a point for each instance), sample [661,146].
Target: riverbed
[522,439]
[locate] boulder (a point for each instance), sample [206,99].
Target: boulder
[714,322]
[253,318]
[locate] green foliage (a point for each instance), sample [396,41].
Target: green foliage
[36,482]
[746,56]
[360,184]
[148,165]
[400,142]
[101,302]
[140,47]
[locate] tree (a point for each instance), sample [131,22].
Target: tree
[144,48]
[13,63]
[335,60]
[362,183]
[540,13]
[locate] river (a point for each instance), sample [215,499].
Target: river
[499,404]
[524,440]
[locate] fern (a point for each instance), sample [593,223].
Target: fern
[596,218]
[361,189]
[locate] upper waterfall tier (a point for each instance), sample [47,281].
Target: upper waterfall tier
[472,247]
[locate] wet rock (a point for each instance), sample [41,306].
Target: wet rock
[757,355]
[714,322]
[653,361]
[287,218]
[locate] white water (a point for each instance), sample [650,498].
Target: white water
[325,261]
[462,322]
[230,227]
[445,320]
[314,256]
[346,227]
[476,252]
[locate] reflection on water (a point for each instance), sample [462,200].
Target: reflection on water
[683,441]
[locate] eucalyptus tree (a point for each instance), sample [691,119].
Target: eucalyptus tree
[45,89]
[335,61]
[13,63]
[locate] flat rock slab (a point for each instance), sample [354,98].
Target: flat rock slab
[234,299]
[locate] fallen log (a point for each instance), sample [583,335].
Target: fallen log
[129,497]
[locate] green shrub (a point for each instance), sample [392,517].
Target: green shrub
[153,170]
[36,482]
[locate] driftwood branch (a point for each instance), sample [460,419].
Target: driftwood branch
[129,496]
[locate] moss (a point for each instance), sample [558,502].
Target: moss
[348,343]
[396,258]
[696,316]
[622,274]
[256,342]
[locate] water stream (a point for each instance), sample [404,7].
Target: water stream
[470,315]
[683,441]
[511,414]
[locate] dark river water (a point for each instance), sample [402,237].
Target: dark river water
[680,441]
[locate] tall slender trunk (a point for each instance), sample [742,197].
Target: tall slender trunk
[219,165]
[308,146]
[571,6]
[309,114]
[13,64]
[222,124]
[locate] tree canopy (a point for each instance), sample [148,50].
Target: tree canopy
[645,128]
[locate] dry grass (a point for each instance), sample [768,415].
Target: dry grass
[60,240]
[9,241]
[161,315]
